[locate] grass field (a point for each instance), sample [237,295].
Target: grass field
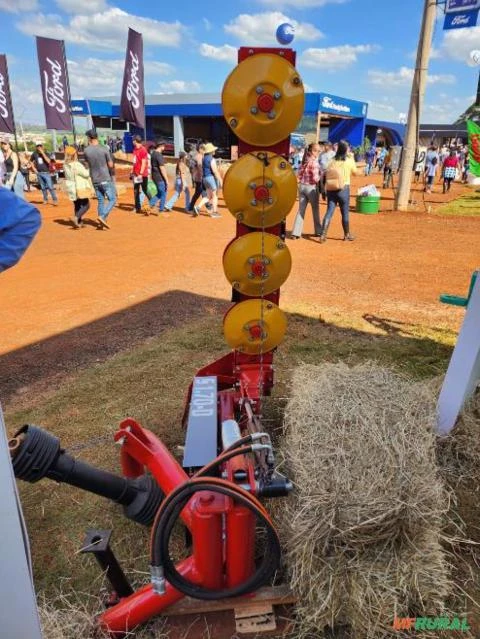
[466,206]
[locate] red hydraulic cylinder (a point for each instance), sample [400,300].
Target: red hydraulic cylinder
[240,540]
[207,510]
[143,604]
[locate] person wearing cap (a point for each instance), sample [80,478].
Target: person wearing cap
[181,183]
[212,180]
[140,173]
[101,167]
[159,175]
[41,166]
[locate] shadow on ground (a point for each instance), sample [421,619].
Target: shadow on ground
[46,362]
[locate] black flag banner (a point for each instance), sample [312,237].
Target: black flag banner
[7,124]
[55,88]
[132,103]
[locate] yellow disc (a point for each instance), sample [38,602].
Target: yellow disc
[252,271]
[259,195]
[263,99]
[250,331]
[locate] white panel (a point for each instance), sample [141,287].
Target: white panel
[463,372]
[18,609]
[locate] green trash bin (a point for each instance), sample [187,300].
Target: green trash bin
[368,204]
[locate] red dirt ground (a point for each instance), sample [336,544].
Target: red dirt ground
[396,269]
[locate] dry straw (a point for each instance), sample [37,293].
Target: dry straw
[365,523]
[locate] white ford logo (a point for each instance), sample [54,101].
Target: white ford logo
[133,86]
[3,98]
[54,92]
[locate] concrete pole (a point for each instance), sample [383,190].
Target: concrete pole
[416,99]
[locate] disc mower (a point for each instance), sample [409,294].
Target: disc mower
[228,461]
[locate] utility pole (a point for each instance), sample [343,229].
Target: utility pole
[416,99]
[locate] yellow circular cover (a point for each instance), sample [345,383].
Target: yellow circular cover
[246,177]
[253,272]
[263,99]
[249,330]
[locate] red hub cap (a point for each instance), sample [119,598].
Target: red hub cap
[256,331]
[265,102]
[258,268]
[261,193]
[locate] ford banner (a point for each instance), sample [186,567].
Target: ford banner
[7,124]
[55,88]
[461,20]
[132,103]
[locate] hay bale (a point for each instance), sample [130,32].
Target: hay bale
[366,519]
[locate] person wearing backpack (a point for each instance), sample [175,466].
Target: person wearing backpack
[337,186]
[309,178]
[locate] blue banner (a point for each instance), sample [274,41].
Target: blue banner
[461,5]
[461,20]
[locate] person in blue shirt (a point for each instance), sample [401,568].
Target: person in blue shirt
[19,223]
[370,155]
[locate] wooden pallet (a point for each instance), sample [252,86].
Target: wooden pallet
[253,613]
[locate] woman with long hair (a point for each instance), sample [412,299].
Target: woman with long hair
[308,193]
[13,178]
[337,184]
[78,185]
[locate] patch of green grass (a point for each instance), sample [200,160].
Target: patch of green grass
[465,206]
[149,383]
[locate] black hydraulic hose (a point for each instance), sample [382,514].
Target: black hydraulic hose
[162,531]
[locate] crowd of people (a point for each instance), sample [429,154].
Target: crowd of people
[324,171]
[450,163]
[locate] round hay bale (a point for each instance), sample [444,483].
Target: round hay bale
[366,517]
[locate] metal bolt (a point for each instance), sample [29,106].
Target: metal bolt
[269,184]
[250,52]
[283,165]
[265,276]
[296,80]
[233,123]
[253,110]
[251,276]
[252,185]
[280,245]
[239,216]
[271,115]
[277,95]
[236,285]
[259,89]
[251,260]
[269,307]
[270,200]
[253,203]
[282,53]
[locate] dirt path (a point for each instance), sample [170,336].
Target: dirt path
[89,291]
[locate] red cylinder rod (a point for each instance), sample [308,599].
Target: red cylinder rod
[207,510]
[142,605]
[240,545]
[265,102]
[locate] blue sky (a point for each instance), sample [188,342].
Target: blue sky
[361,49]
